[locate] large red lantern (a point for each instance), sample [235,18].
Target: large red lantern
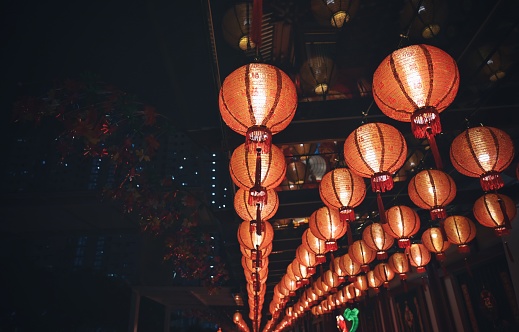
[377,239]
[460,230]
[376,150]
[257,100]
[343,190]
[257,173]
[436,242]
[255,213]
[414,84]
[360,252]
[495,211]
[315,245]
[326,224]
[419,256]
[432,190]
[483,152]
[253,241]
[402,223]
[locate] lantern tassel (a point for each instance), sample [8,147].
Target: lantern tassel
[346,214]
[425,121]
[330,246]
[434,149]
[381,210]
[491,181]
[257,16]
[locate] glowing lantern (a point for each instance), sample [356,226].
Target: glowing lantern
[343,190]
[306,258]
[419,256]
[252,255]
[384,272]
[257,100]
[253,241]
[317,75]
[326,224]
[402,223]
[353,293]
[321,287]
[258,212]
[289,284]
[483,152]
[377,239]
[415,84]
[349,265]
[315,245]
[460,230]
[376,150]
[250,266]
[495,211]
[399,264]
[300,271]
[373,281]
[434,240]
[257,173]
[361,282]
[360,252]
[335,267]
[332,280]
[236,26]
[432,190]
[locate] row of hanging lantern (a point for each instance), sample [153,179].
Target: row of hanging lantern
[413,84]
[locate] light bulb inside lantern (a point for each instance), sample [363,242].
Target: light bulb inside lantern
[483,158]
[245,43]
[339,18]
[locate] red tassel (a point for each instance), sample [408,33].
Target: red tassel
[381,255]
[440,256]
[403,276]
[364,268]
[434,149]
[258,138]
[346,214]
[463,249]
[258,194]
[381,210]
[424,119]
[257,254]
[257,16]
[491,181]
[509,252]
[381,182]
[404,243]
[420,269]
[349,235]
[438,212]
[330,246]
[320,258]
[311,270]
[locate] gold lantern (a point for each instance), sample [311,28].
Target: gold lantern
[415,84]
[326,224]
[460,230]
[377,239]
[400,264]
[432,190]
[483,152]
[402,223]
[419,256]
[495,211]
[315,245]
[257,100]
[343,190]
[360,252]
[257,173]
[434,240]
[376,150]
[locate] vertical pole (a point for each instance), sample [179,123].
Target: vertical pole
[167,318]
[134,311]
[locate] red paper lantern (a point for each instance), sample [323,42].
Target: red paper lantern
[432,190]
[414,84]
[257,100]
[326,224]
[399,264]
[373,281]
[307,258]
[258,212]
[460,230]
[335,267]
[483,152]
[350,266]
[360,252]
[315,245]
[434,240]
[402,223]
[384,272]
[343,190]
[377,239]
[253,241]
[495,211]
[332,280]
[301,271]
[376,150]
[246,174]
[361,282]
[419,256]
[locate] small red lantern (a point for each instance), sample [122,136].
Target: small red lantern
[377,239]
[495,211]
[255,213]
[257,100]
[483,152]
[414,84]
[399,263]
[343,190]
[254,242]
[373,281]
[326,224]
[350,266]
[432,190]
[434,240]
[332,280]
[315,245]
[402,223]
[460,230]
[419,256]
[384,272]
[306,258]
[360,252]
[376,150]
